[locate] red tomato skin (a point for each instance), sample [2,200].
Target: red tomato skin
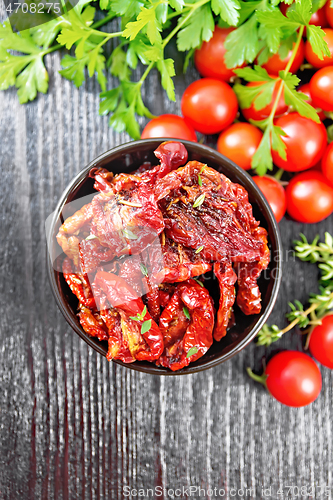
[327,163]
[274,194]
[305,140]
[276,64]
[171,126]
[313,59]
[305,89]
[254,114]
[321,342]
[293,378]
[321,88]
[239,142]
[329,13]
[209,59]
[209,105]
[309,197]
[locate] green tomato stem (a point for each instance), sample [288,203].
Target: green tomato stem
[258,378]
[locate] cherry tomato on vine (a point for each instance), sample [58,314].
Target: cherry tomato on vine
[239,142]
[321,342]
[305,89]
[329,13]
[260,114]
[274,194]
[276,64]
[209,59]
[293,378]
[321,88]
[327,163]
[313,59]
[171,126]
[209,105]
[309,197]
[305,142]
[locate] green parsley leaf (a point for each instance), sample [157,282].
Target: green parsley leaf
[109,100]
[186,312]
[297,99]
[118,64]
[315,36]
[199,201]
[145,327]
[177,4]
[147,22]
[227,9]
[242,44]
[262,158]
[256,74]
[198,28]
[167,70]
[192,351]
[33,79]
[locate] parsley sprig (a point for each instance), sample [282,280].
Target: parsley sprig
[320,303]
[144,29]
[265,32]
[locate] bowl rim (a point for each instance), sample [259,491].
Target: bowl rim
[270,219]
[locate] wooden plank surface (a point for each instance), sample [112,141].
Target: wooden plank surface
[72,425]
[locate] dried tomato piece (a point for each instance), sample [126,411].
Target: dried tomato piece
[79,284]
[226,278]
[181,263]
[141,334]
[187,325]
[172,154]
[93,324]
[204,210]
[248,294]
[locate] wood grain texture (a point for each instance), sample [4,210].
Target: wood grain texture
[72,425]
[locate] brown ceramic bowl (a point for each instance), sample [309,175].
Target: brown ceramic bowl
[126,158]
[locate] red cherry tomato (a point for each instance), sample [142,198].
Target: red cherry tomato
[293,378]
[305,89]
[171,126]
[239,142]
[321,88]
[327,163]
[313,59]
[309,197]
[318,18]
[276,64]
[305,141]
[209,105]
[321,342]
[209,59]
[274,194]
[329,13]
[253,114]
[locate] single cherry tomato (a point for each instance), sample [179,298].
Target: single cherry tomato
[293,378]
[321,88]
[309,197]
[274,194]
[209,105]
[276,64]
[171,126]
[305,141]
[329,13]
[305,89]
[327,163]
[260,114]
[313,59]
[209,59]
[239,142]
[318,18]
[321,342]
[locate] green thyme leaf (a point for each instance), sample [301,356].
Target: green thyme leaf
[144,269]
[199,180]
[192,351]
[129,235]
[199,201]
[199,282]
[186,312]
[198,250]
[145,327]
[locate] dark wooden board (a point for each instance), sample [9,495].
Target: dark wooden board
[73,425]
